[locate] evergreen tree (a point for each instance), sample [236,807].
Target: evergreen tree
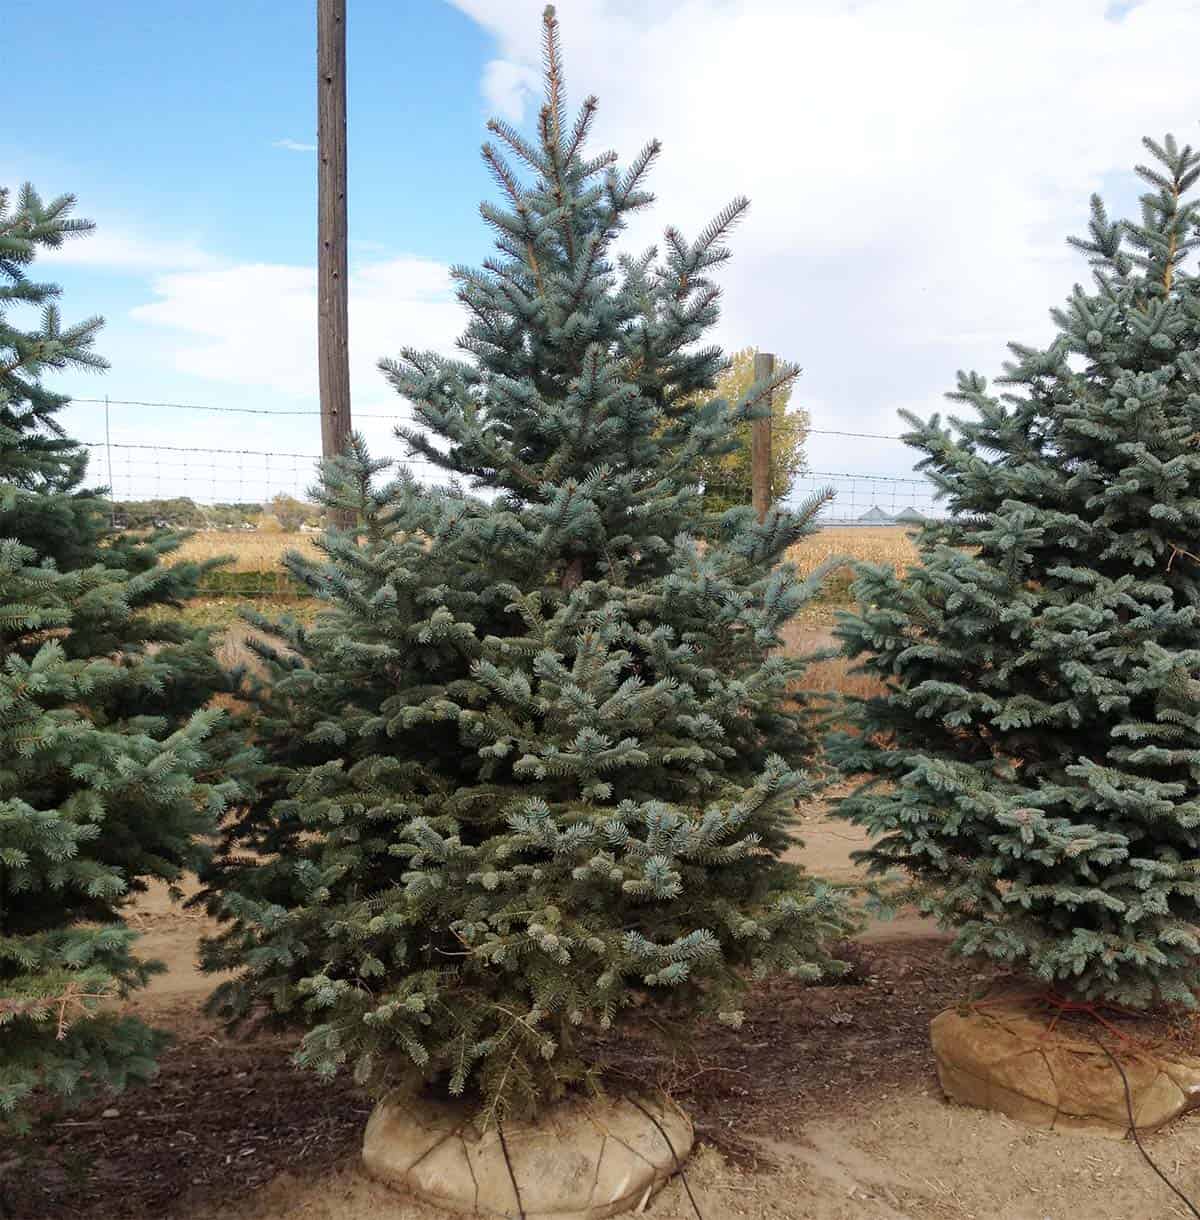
[35,454]
[1034,762]
[103,750]
[537,761]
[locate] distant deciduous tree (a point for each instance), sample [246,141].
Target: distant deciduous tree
[727,477]
[289,512]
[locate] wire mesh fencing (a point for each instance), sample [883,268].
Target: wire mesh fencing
[209,478]
[253,502]
[870,499]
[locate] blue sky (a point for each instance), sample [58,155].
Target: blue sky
[186,130]
[914,167]
[166,117]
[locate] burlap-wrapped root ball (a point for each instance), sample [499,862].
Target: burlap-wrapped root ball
[583,1160]
[1005,1057]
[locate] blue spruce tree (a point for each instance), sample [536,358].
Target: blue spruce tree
[536,762]
[107,767]
[1034,761]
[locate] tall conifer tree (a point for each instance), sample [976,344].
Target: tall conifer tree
[1034,763]
[537,762]
[103,751]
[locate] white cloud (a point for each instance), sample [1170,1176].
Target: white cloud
[243,336]
[115,249]
[294,145]
[914,165]
[254,324]
[509,87]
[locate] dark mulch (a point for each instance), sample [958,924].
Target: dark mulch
[803,1052]
[219,1119]
[223,1117]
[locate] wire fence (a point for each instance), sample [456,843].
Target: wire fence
[227,487]
[207,476]
[871,500]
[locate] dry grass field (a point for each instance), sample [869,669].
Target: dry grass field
[810,632]
[249,550]
[261,551]
[255,571]
[865,544]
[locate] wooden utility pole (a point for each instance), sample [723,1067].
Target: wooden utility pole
[760,443]
[333,328]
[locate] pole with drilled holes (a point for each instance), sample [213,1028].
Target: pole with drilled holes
[333,339]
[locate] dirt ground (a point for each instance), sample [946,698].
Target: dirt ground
[824,1106]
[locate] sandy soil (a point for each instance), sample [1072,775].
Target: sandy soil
[825,1107]
[914,1159]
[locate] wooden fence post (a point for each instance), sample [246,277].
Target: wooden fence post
[760,445]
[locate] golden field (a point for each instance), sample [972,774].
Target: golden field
[250,550]
[256,571]
[261,551]
[865,544]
